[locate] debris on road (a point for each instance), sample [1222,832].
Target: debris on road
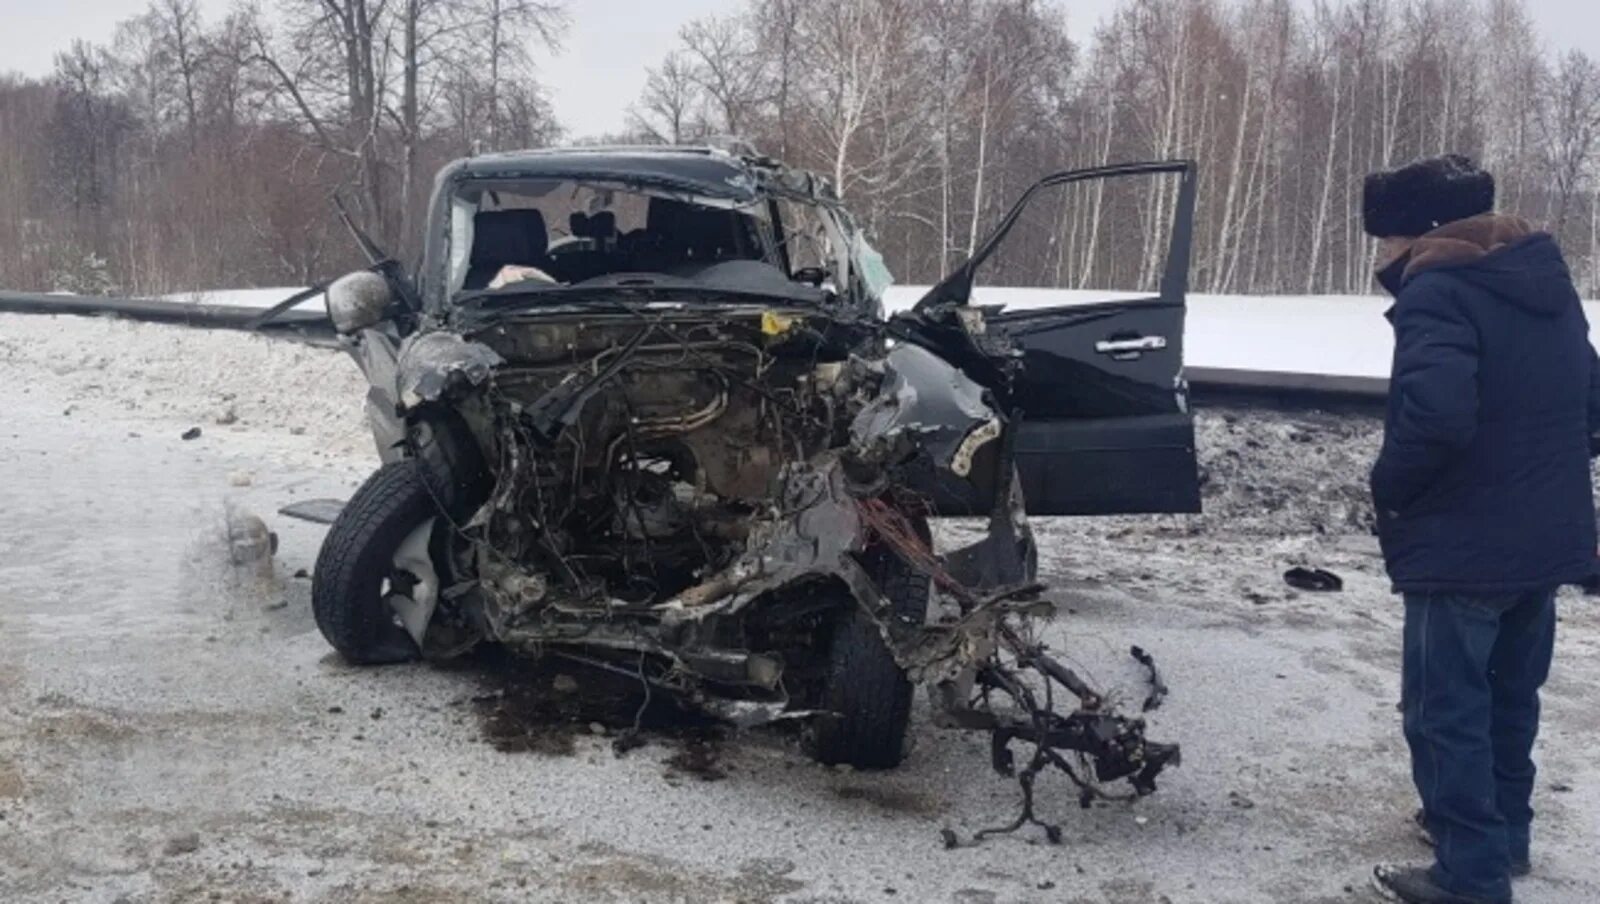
[187,843]
[1158,688]
[249,540]
[1313,580]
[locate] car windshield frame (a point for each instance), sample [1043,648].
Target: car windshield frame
[467,200]
[769,186]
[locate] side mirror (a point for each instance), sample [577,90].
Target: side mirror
[358,300]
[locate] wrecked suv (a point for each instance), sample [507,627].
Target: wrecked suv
[641,408]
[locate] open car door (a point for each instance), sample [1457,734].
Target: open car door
[1105,426]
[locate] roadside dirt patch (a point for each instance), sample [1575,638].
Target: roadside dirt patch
[82,725]
[893,800]
[544,706]
[11,785]
[700,757]
[621,876]
[1278,473]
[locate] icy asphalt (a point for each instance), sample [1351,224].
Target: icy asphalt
[172,729]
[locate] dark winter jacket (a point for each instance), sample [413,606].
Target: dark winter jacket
[1483,483]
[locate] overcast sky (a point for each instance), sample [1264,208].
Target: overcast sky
[601,69]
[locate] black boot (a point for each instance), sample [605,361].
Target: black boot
[1414,885]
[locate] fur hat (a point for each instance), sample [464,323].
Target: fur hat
[1419,198]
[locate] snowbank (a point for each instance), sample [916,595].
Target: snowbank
[247,298]
[206,378]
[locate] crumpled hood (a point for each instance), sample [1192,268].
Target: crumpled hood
[1501,255]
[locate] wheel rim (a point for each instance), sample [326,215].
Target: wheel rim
[411,588]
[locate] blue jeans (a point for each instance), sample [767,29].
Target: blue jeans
[1470,691]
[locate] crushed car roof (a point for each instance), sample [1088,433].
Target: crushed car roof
[706,171]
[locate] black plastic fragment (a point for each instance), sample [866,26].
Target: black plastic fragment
[317,511]
[1158,688]
[1314,580]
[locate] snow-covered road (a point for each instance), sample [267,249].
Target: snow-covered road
[172,729]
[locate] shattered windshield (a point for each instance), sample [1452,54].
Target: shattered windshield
[869,263]
[532,236]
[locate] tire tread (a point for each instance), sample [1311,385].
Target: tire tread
[866,689]
[350,566]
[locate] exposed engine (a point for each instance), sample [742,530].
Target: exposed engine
[633,456]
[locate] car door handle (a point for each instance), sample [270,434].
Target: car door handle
[1133,345]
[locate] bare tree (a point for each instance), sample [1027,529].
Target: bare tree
[724,64]
[666,111]
[179,28]
[1570,123]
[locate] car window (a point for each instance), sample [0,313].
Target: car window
[1098,234]
[564,233]
[870,265]
[570,205]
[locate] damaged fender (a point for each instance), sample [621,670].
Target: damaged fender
[435,363]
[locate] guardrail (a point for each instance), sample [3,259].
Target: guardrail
[157,310]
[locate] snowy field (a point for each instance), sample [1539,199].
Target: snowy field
[172,729]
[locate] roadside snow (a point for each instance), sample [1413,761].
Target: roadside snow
[211,379]
[247,298]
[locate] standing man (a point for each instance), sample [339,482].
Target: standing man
[1484,505]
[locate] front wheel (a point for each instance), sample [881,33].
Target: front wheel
[865,692]
[374,574]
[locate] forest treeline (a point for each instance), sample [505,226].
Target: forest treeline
[192,154]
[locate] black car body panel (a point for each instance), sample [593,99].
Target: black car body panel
[1105,426]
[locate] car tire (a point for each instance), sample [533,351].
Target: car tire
[866,694]
[357,556]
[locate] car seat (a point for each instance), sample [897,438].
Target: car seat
[501,237]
